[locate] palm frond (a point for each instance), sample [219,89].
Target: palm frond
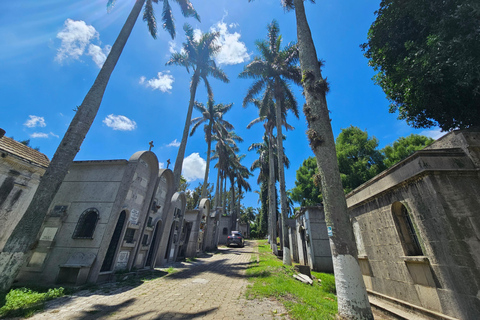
[167,19]
[149,18]
[187,9]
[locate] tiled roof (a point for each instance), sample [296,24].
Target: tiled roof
[22,151]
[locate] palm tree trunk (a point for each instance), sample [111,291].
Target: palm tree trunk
[23,238]
[207,168]
[287,260]
[272,201]
[352,296]
[217,191]
[177,171]
[232,205]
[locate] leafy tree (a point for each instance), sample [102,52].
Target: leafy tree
[427,56]
[307,189]
[197,54]
[212,117]
[273,71]
[17,248]
[358,157]
[404,147]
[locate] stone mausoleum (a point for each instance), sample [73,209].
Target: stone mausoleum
[417,229]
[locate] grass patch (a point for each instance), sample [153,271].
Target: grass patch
[270,278]
[24,302]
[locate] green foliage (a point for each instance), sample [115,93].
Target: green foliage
[24,302]
[358,158]
[427,56]
[193,196]
[247,214]
[270,278]
[307,190]
[404,147]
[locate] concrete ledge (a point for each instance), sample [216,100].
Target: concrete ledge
[403,310]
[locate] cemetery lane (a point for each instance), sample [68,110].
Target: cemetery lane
[210,287]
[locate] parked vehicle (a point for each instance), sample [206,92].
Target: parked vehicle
[235,238]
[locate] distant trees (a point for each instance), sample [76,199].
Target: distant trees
[427,56]
[359,160]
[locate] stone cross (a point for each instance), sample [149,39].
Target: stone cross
[151,145]
[168,163]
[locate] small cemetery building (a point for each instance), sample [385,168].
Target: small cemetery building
[21,168]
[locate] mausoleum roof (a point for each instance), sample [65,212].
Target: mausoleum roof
[22,151]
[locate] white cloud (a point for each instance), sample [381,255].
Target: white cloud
[75,37]
[161,165]
[98,55]
[174,143]
[163,82]
[35,121]
[172,46]
[39,135]
[434,134]
[194,167]
[120,122]
[233,51]
[54,135]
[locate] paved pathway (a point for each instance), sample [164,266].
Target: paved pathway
[208,288]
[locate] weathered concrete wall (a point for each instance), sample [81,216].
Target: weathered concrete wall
[224,229]
[312,239]
[439,188]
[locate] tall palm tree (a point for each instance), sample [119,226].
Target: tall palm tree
[267,114]
[197,54]
[25,233]
[242,173]
[225,144]
[352,295]
[212,117]
[273,71]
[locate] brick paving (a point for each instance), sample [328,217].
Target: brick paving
[212,287]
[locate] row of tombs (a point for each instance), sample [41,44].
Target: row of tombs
[416,225]
[417,231]
[107,217]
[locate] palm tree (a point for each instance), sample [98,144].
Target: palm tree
[267,114]
[242,173]
[352,295]
[212,116]
[225,144]
[22,239]
[272,71]
[198,55]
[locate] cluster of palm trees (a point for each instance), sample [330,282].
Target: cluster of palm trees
[271,72]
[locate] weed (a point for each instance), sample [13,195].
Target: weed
[24,302]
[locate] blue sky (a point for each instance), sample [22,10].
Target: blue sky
[52,50]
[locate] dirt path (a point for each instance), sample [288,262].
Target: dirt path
[212,287]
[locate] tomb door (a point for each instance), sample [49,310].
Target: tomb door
[303,237]
[153,245]
[112,247]
[170,240]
